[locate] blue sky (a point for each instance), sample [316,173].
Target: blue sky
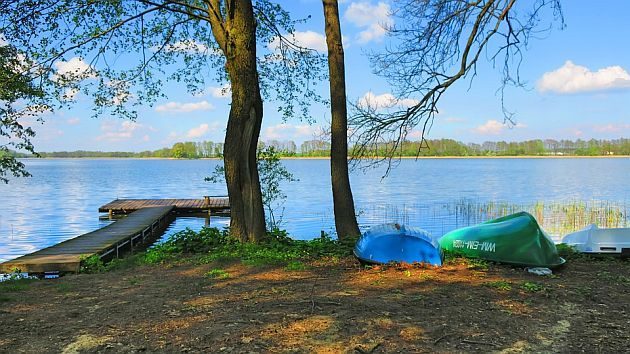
[578,86]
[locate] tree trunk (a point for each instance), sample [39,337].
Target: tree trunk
[246,112]
[345,217]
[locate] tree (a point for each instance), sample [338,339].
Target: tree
[345,217]
[124,50]
[272,175]
[19,99]
[435,44]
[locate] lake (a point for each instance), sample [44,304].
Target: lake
[61,200]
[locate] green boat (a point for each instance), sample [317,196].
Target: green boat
[515,239]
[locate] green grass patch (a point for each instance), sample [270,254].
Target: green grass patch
[570,253]
[64,287]
[296,266]
[533,287]
[502,285]
[217,274]
[456,258]
[16,285]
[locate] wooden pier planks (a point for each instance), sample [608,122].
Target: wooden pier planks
[124,206]
[66,256]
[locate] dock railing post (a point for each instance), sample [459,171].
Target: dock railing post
[206,200]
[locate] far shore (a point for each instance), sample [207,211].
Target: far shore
[371,157]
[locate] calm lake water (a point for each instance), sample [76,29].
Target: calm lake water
[61,200]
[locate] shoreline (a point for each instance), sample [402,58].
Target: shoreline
[328,157]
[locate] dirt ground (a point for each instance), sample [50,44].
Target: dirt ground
[330,307]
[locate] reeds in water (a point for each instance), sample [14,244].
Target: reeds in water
[557,218]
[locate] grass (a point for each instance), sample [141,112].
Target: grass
[502,285]
[532,287]
[296,266]
[455,258]
[217,274]
[64,287]
[15,285]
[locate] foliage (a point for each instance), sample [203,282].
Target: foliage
[569,252]
[121,53]
[92,264]
[211,245]
[19,100]
[272,174]
[432,147]
[173,42]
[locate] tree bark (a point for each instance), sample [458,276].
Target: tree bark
[345,217]
[236,35]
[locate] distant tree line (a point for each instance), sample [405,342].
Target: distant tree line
[436,147]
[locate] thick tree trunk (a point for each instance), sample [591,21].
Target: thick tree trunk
[345,217]
[241,138]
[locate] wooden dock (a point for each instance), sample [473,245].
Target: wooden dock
[219,205]
[124,234]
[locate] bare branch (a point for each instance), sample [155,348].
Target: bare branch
[433,38]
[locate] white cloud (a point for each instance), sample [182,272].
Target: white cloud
[189,46]
[3,40]
[289,132]
[113,132]
[571,78]
[611,128]
[74,69]
[577,132]
[70,94]
[178,107]
[386,100]
[73,121]
[494,127]
[373,19]
[220,92]
[198,131]
[307,39]
[312,40]
[491,127]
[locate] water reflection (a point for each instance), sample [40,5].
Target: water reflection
[61,200]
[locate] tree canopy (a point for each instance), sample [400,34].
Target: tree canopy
[20,99]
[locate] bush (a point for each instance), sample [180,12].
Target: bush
[276,248]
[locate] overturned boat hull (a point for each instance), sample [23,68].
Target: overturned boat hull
[515,239]
[394,243]
[592,239]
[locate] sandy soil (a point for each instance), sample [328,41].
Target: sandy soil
[330,307]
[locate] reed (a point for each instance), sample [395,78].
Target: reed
[556,217]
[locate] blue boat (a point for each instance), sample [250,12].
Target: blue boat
[395,243]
